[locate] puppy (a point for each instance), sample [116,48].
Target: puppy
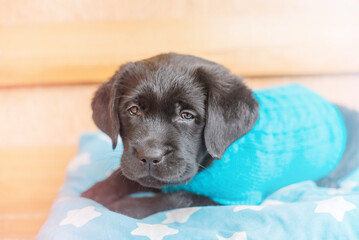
[168,110]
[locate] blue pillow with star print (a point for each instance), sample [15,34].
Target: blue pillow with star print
[298,136]
[300,211]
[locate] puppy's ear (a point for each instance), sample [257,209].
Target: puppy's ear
[231,108]
[104,109]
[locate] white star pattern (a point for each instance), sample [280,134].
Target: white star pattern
[257,207]
[79,160]
[235,236]
[335,206]
[153,231]
[79,217]
[180,215]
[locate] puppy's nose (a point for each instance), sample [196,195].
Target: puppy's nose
[150,156]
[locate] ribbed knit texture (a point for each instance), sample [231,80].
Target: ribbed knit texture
[298,136]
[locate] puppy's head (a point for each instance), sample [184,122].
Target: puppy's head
[172,112]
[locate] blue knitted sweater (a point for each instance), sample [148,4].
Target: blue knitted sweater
[298,136]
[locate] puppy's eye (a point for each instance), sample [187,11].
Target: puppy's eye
[187,116]
[134,111]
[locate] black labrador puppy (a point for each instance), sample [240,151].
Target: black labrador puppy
[167,110]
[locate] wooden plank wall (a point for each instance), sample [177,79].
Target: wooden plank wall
[84,41]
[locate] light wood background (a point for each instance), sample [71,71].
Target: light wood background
[84,41]
[54,54]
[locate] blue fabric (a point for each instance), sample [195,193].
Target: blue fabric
[300,211]
[298,136]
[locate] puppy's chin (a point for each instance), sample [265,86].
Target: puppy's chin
[150,181]
[154,182]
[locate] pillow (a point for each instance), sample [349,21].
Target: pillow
[300,211]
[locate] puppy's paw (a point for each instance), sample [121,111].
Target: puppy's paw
[102,192]
[133,207]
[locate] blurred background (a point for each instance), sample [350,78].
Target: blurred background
[54,54]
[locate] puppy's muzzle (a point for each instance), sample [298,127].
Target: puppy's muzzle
[151,154]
